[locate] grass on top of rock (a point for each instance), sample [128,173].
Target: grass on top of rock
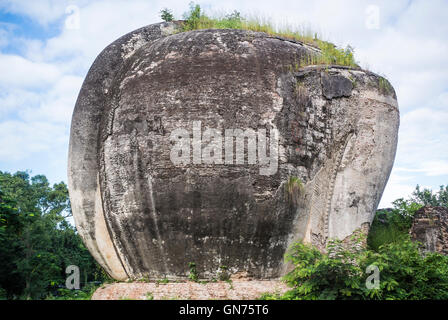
[330,54]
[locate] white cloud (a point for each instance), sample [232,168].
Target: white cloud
[44,11]
[23,73]
[429,168]
[398,186]
[57,104]
[21,139]
[423,139]
[13,98]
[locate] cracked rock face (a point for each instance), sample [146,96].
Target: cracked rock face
[141,214]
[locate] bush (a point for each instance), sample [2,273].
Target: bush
[166,15]
[340,274]
[392,225]
[405,272]
[335,275]
[427,197]
[84,293]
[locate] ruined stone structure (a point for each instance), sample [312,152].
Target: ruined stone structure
[430,228]
[141,215]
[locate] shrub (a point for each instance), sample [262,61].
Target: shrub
[84,293]
[193,275]
[427,197]
[392,225]
[335,275]
[166,15]
[341,273]
[408,274]
[223,274]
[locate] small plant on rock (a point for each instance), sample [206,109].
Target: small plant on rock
[224,273]
[166,15]
[149,296]
[193,275]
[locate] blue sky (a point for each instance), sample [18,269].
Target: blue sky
[47,47]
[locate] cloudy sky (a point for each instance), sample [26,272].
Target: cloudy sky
[47,47]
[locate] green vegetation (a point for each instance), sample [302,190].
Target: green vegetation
[196,19]
[230,282]
[224,273]
[353,80]
[341,273]
[331,55]
[37,242]
[163,281]
[294,185]
[143,279]
[166,15]
[293,189]
[405,272]
[193,275]
[85,293]
[384,85]
[392,226]
[149,296]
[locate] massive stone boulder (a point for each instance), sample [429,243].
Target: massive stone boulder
[153,181]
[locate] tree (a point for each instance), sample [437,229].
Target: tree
[427,197]
[166,15]
[10,282]
[37,242]
[194,17]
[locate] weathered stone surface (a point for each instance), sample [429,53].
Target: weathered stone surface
[141,215]
[237,290]
[430,227]
[335,86]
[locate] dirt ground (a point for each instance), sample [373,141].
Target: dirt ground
[234,290]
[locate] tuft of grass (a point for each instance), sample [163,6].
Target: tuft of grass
[230,282]
[149,296]
[384,85]
[294,185]
[162,281]
[224,273]
[143,279]
[293,188]
[193,275]
[353,80]
[329,54]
